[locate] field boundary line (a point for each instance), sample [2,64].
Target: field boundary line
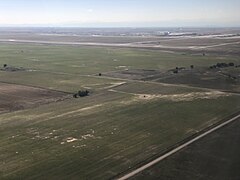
[204,133]
[37,87]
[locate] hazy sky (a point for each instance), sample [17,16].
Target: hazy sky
[120,12]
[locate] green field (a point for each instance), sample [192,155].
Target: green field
[91,60]
[112,130]
[214,158]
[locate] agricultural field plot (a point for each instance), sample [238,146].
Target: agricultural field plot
[82,60]
[17,97]
[58,81]
[151,88]
[215,157]
[226,79]
[102,135]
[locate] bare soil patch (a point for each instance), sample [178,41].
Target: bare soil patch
[18,97]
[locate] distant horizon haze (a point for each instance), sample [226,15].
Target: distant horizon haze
[124,13]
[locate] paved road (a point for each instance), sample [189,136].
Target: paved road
[146,166]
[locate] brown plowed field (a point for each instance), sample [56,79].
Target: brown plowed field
[17,97]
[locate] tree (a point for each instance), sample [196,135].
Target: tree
[192,66]
[83,93]
[231,64]
[5,65]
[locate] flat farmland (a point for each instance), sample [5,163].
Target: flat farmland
[17,97]
[215,79]
[100,136]
[93,60]
[214,157]
[124,122]
[155,89]
[58,81]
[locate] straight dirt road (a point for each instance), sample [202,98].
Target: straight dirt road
[175,150]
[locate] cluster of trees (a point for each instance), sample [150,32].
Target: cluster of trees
[81,94]
[222,65]
[177,69]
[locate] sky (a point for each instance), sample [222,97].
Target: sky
[120,13]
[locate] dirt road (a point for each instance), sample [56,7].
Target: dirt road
[146,166]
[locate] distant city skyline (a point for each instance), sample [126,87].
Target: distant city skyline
[124,13]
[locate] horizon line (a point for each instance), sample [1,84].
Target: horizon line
[57,26]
